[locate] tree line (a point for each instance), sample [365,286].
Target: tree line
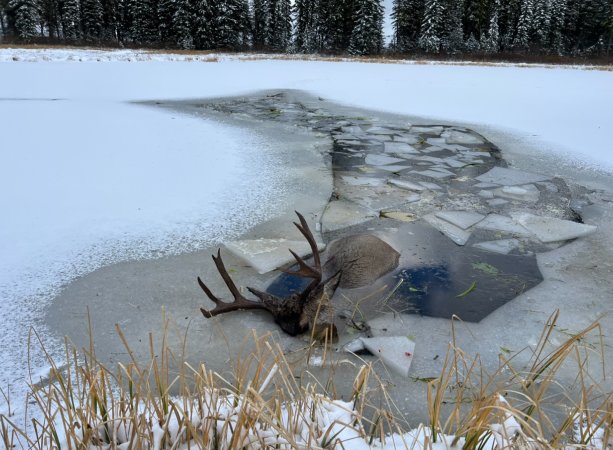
[562,27]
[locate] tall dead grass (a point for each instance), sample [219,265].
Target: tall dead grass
[265,404]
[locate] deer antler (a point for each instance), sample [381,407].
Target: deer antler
[240,302]
[306,270]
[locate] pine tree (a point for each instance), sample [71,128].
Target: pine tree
[230,23]
[279,26]
[367,37]
[26,18]
[490,42]
[524,26]
[541,21]
[407,16]
[50,17]
[70,20]
[431,36]
[202,24]
[477,14]
[166,12]
[556,26]
[510,11]
[306,38]
[261,12]
[92,19]
[453,32]
[144,21]
[182,24]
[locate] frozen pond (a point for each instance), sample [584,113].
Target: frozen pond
[466,225]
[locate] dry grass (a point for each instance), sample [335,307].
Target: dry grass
[265,405]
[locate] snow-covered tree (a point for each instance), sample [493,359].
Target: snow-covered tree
[472,44]
[367,36]
[490,42]
[556,26]
[166,12]
[431,36]
[541,21]
[407,16]
[144,21]
[70,18]
[26,18]
[261,11]
[279,26]
[230,23]
[307,22]
[453,31]
[182,24]
[524,26]
[92,19]
[199,19]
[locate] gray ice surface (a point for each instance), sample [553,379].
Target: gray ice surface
[381,160]
[396,352]
[503,246]
[405,184]
[458,137]
[503,224]
[510,177]
[456,234]
[526,193]
[399,147]
[551,229]
[462,219]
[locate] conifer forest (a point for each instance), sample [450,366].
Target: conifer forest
[452,27]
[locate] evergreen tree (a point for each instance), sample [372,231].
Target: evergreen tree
[144,21]
[50,17]
[261,12]
[182,24]
[367,36]
[26,18]
[279,26]
[510,12]
[431,36]
[477,14]
[230,24]
[556,26]
[524,26]
[111,20]
[541,21]
[307,22]
[92,19]
[453,34]
[490,42]
[70,20]
[202,24]
[407,16]
[166,13]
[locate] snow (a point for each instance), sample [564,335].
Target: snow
[90,178]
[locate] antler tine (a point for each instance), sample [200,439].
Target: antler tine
[306,270]
[240,302]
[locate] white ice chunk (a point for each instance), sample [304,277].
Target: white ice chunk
[433,174]
[462,219]
[265,255]
[381,130]
[341,214]
[527,193]
[403,184]
[510,177]
[436,142]
[503,246]
[431,186]
[428,130]
[407,139]
[353,346]
[413,198]
[456,234]
[392,168]
[442,169]
[454,163]
[398,147]
[396,352]
[458,137]
[504,224]
[353,130]
[551,229]
[486,194]
[486,185]
[497,202]
[381,160]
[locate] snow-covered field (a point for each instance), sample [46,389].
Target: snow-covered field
[89,179]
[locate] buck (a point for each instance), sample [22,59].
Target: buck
[351,262]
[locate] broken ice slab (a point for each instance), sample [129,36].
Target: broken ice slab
[381,130]
[381,160]
[265,255]
[458,137]
[551,229]
[413,198]
[486,194]
[436,142]
[353,130]
[451,162]
[341,214]
[362,181]
[407,139]
[427,130]
[393,168]
[403,184]
[442,169]
[510,177]
[503,224]
[497,202]
[431,186]
[398,147]
[526,193]
[396,352]
[462,219]
[503,246]
[433,174]
[456,234]
[486,185]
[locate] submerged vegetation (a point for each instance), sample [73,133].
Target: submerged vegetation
[166,403]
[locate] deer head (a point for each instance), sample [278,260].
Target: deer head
[295,313]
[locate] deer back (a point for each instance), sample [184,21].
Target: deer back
[362,259]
